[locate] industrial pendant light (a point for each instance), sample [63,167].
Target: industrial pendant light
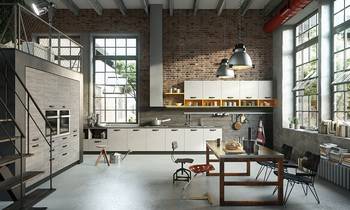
[240,58]
[224,71]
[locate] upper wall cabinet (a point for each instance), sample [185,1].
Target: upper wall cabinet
[230,89]
[265,89]
[211,89]
[249,89]
[193,89]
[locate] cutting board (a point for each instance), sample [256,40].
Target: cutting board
[234,151]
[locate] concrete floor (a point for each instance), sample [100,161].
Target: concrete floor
[144,182]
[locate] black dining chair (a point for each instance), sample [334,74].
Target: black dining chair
[181,174]
[270,166]
[305,177]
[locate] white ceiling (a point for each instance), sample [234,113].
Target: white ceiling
[178,4]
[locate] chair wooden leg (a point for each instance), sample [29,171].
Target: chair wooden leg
[106,156]
[98,158]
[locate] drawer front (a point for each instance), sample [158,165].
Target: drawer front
[177,135]
[194,140]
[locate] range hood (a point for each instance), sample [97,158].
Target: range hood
[156,56]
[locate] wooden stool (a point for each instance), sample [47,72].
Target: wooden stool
[103,153]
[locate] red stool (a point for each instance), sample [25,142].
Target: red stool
[200,169]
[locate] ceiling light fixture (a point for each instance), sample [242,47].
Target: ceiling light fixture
[224,71]
[240,58]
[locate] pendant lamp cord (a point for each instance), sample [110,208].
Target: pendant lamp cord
[240,29]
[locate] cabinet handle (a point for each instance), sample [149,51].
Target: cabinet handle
[267,97]
[193,97]
[97,141]
[212,129]
[36,139]
[64,154]
[63,106]
[211,97]
[155,129]
[174,129]
[52,159]
[51,106]
[116,130]
[64,146]
[135,129]
[52,150]
[64,138]
[75,135]
[193,129]
[53,141]
[74,131]
[35,145]
[248,97]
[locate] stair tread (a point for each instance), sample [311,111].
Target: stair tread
[31,199]
[15,180]
[5,160]
[6,139]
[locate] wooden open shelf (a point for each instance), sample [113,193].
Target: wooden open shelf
[172,98]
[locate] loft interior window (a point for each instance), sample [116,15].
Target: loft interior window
[306,76]
[66,53]
[341,57]
[115,81]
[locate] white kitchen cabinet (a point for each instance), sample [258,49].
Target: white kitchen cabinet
[211,89]
[137,139]
[265,90]
[193,89]
[194,139]
[230,89]
[90,144]
[249,89]
[117,139]
[155,139]
[212,134]
[175,134]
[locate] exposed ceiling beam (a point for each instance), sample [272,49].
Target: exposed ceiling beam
[195,7]
[271,6]
[96,6]
[121,6]
[245,6]
[145,6]
[171,7]
[220,7]
[71,6]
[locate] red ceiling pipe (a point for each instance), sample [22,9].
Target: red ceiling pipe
[284,14]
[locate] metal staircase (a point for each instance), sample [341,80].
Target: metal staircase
[12,137]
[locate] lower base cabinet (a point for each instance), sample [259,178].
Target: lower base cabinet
[154,139]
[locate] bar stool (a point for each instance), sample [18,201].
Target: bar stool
[103,153]
[200,169]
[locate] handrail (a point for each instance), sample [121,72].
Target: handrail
[29,96]
[53,27]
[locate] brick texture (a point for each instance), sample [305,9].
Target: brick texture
[193,46]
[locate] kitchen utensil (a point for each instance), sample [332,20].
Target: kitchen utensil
[237,125]
[157,122]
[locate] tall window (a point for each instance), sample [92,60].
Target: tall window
[64,52]
[341,69]
[306,76]
[116,70]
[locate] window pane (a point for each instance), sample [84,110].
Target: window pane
[99,103]
[313,120]
[339,61]
[110,116]
[131,51]
[99,42]
[65,43]
[306,55]
[99,66]
[299,58]
[110,103]
[110,43]
[99,51]
[338,5]
[339,18]
[121,116]
[121,43]
[121,103]
[339,101]
[339,41]
[99,78]
[131,115]
[131,103]
[121,51]
[110,51]
[347,13]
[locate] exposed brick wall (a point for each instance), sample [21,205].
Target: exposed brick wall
[193,46]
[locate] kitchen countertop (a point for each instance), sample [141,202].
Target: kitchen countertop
[148,126]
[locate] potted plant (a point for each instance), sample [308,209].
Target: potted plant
[293,122]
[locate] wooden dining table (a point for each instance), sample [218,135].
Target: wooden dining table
[260,153]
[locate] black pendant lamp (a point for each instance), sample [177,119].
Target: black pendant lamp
[224,71]
[240,58]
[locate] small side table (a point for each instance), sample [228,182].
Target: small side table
[103,153]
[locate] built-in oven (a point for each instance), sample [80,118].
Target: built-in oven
[64,121]
[52,119]
[59,121]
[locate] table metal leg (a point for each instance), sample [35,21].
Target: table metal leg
[280,181]
[207,152]
[222,182]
